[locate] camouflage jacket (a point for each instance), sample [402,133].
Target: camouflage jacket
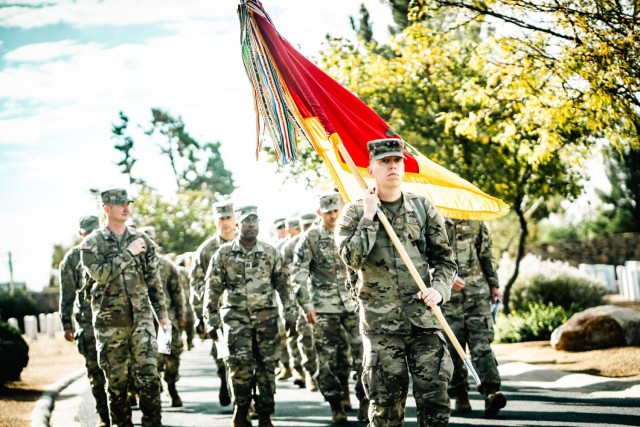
[471,245]
[72,296]
[199,265]
[318,269]
[124,287]
[247,280]
[172,288]
[186,292]
[386,288]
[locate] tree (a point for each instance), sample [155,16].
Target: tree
[187,156]
[182,222]
[124,144]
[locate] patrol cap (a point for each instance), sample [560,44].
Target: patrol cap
[388,147]
[329,201]
[308,218]
[115,196]
[223,209]
[149,230]
[293,222]
[89,223]
[279,223]
[244,212]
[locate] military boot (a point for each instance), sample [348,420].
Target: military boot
[346,399]
[223,393]
[284,373]
[104,422]
[298,377]
[338,416]
[176,402]
[264,420]
[241,416]
[363,411]
[310,382]
[493,401]
[463,405]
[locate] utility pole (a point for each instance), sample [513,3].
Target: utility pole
[10,275]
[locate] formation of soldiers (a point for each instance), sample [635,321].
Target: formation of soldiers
[328,299]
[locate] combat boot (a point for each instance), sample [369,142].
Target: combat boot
[363,411]
[223,393]
[338,416]
[298,377]
[463,405]
[310,382]
[176,402]
[264,420]
[284,372]
[493,401]
[241,416]
[346,398]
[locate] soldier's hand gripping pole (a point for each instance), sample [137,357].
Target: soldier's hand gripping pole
[412,269]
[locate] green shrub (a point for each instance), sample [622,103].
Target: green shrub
[14,353]
[17,304]
[557,283]
[534,324]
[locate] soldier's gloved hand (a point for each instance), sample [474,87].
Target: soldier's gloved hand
[458,284]
[213,334]
[137,246]
[311,317]
[290,327]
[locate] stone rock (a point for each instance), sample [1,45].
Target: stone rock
[599,327]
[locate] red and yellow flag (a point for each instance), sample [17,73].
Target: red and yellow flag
[293,97]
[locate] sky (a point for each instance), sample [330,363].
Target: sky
[68,67]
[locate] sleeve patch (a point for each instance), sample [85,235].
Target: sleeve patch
[86,246]
[345,221]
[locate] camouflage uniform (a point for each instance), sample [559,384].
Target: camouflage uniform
[170,278]
[124,291]
[302,350]
[190,316]
[320,275]
[468,312]
[400,330]
[248,280]
[75,301]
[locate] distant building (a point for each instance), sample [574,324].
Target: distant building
[6,286]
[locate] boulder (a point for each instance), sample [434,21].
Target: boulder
[599,327]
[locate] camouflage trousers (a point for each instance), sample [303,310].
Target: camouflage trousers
[170,363]
[252,360]
[118,347]
[472,324]
[86,342]
[338,350]
[388,361]
[302,351]
[222,368]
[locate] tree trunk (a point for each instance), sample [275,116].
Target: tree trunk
[519,255]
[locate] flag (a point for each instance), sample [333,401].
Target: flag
[293,98]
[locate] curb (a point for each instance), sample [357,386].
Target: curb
[42,412]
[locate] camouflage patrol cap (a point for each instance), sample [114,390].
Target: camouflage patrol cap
[292,222]
[223,209]
[388,147]
[329,201]
[308,218]
[244,212]
[278,223]
[115,196]
[149,230]
[89,223]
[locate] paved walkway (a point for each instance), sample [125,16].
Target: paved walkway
[536,397]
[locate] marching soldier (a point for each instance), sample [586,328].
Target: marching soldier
[401,335]
[226,232]
[183,261]
[469,314]
[320,277]
[126,293]
[73,295]
[248,272]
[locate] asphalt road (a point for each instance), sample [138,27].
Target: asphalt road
[536,397]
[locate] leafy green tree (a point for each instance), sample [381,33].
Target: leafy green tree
[124,144]
[182,222]
[195,166]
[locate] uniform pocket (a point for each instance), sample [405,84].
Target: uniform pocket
[446,363]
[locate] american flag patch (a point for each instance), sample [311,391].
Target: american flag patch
[345,221]
[86,246]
